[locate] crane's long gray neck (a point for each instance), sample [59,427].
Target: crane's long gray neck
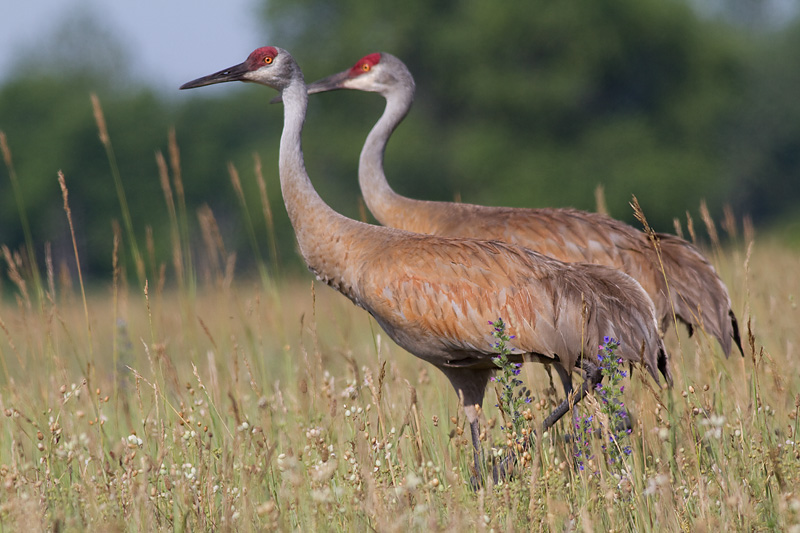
[382,201]
[324,236]
[295,183]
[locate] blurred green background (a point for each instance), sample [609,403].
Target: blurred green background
[523,104]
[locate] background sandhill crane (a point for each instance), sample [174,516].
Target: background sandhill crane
[694,291]
[435,296]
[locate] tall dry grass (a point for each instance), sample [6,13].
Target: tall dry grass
[217,403]
[236,414]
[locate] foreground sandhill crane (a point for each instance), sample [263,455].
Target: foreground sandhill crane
[693,290]
[434,296]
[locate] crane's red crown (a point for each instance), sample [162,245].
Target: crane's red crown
[261,56]
[365,64]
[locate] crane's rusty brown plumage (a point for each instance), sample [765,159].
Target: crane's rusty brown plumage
[692,289]
[435,296]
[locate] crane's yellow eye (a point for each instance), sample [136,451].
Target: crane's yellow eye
[365,67]
[268,60]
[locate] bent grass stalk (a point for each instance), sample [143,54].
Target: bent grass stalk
[65,194]
[175,234]
[23,217]
[89,362]
[177,178]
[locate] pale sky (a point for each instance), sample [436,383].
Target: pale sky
[170,41]
[173,41]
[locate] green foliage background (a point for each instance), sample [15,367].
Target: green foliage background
[525,104]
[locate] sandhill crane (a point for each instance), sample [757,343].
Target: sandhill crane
[434,296]
[693,290]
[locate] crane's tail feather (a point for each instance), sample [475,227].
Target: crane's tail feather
[663,366]
[699,297]
[737,338]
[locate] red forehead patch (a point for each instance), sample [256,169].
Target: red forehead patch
[258,55]
[365,64]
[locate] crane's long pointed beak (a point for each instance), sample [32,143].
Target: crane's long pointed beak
[331,83]
[234,73]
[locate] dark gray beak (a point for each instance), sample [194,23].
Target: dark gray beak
[331,83]
[233,73]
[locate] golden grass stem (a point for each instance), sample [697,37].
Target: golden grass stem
[600,199]
[100,119]
[237,187]
[211,400]
[175,233]
[13,348]
[676,223]
[651,234]
[690,228]
[115,312]
[65,194]
[267,210]
[177,178]
[23,217]
[705,214]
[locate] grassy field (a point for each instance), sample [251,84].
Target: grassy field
[254,405]
[214,403]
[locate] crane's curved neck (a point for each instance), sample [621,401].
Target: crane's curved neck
[325,238]
[384,203]
[295,183]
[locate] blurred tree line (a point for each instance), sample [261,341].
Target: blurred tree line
[529,104]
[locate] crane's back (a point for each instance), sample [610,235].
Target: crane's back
[436,296]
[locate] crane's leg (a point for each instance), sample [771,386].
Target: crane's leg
[552,389]
[470,385]
[592,378]
[502,470]
[566,382]
[566,379]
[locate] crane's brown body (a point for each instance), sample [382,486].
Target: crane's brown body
[435,296]
[692,291]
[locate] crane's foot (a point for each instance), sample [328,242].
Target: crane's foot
[504,469]
[475,482]
[623,426]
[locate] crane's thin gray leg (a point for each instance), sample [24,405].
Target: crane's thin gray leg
[475,429]
[593,377]
[470,385]
[566,382]
[552,389]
